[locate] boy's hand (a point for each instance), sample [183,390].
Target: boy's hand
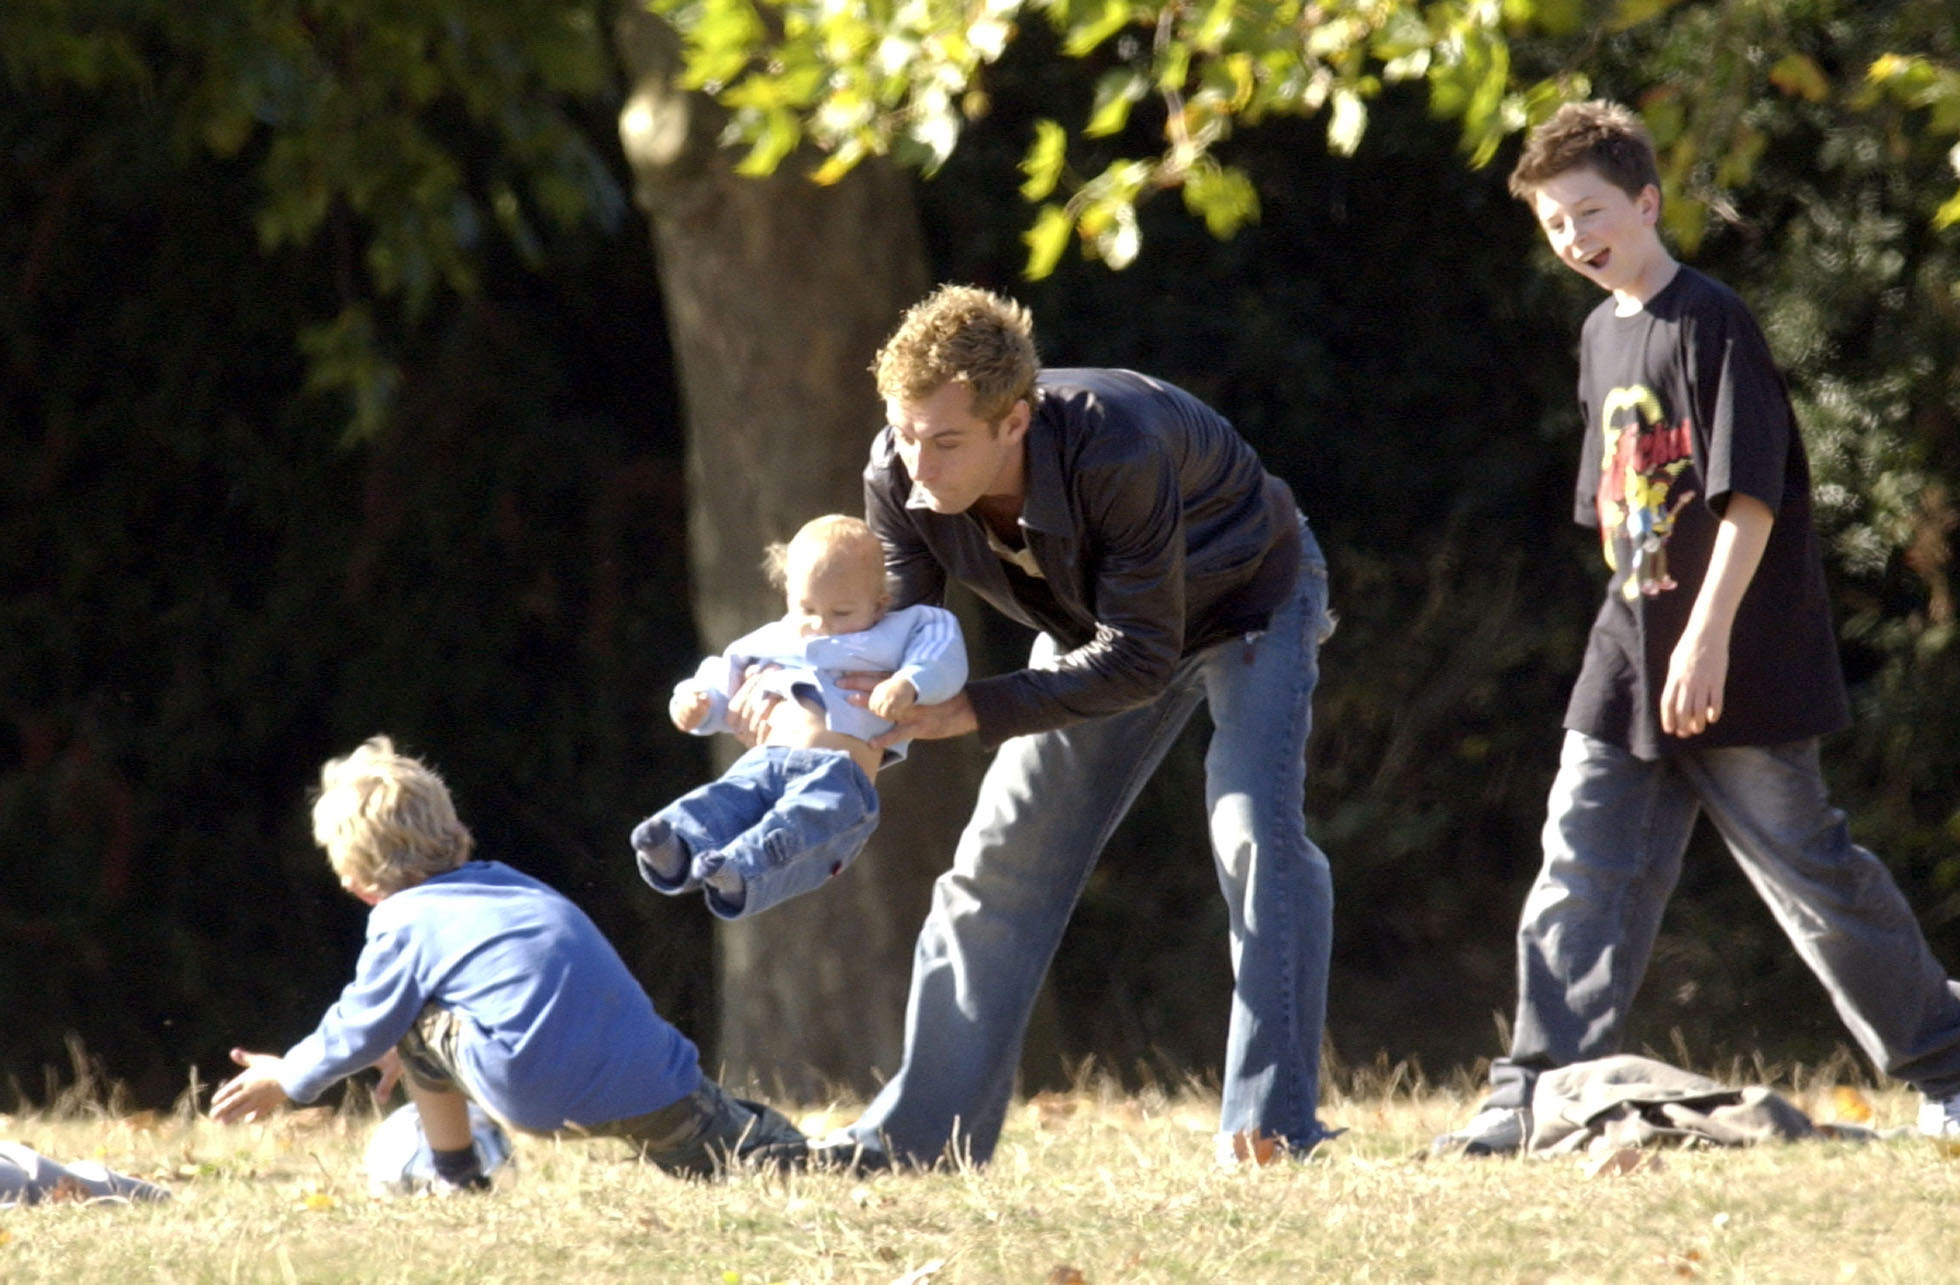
[689,709]
[1691,698]
[892,698]
[390,1066]
[253,1092]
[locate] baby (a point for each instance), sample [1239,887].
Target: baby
[798,808]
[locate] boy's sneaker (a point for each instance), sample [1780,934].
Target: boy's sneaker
[442,1188]
[1940,1117]
[1493,1131]
[842,1153]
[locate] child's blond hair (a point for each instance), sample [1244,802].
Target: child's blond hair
[962,333]
[831,539]
[386,820]
[1601,136]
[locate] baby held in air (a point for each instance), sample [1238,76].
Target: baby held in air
[798,807]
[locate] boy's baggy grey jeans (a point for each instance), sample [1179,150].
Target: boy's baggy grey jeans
[1615,832]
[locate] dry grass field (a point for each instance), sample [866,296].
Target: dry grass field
[1089,1188]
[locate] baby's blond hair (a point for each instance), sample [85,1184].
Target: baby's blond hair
[964,334]
[833,539]
[386,820]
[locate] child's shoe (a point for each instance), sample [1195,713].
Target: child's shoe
[727,890]
[1940,1117]
[1493,1131]
[665,863]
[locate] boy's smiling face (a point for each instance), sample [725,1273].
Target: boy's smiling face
[1603,234]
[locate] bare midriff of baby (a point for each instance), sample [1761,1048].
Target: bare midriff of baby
[799,724]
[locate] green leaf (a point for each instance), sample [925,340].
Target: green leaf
[1044,160]
[1223,196]
[1631,13]
[1116,91]
[1799,76]
[1046,240]
[777,138]
[1948,214]
[1103,22]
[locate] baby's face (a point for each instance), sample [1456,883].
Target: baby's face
[834,595]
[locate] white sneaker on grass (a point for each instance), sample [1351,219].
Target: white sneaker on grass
[1940,1117]
[1493,1131]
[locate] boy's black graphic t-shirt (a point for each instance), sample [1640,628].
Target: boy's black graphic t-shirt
[1684,408]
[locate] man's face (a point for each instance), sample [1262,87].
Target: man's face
[1599,231]
[955,457]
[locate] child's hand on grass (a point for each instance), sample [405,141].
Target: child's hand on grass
[253,1092]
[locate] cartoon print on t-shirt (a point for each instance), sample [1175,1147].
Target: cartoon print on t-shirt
[1641,461]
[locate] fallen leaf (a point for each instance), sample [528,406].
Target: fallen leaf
[1625,1160]
[1067,1276]
[1850,1106]
[6,1237]
[1051,1108]
[921,1274]
[67,1191]
[316,1201]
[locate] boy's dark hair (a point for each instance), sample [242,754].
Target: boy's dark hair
[1601,136]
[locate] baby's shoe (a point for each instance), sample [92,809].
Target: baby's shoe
[665,863]
[727,890]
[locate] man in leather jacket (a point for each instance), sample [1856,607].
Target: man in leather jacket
[1162,565]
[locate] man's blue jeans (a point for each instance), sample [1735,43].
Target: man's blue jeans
[1047,805]
[1615,832]
[784,820]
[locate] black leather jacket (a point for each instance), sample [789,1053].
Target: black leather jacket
[1157,531]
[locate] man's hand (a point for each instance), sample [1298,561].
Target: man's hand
[892,698]
[689,709]
[253,1092]
[1691,698]
[938,722]
[917,722]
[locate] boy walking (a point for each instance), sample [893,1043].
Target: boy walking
[492,988]
[1712,667]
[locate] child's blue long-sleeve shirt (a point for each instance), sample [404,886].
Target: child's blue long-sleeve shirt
[920,643]
[559,1032]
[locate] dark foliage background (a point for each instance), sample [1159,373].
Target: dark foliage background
[205,589]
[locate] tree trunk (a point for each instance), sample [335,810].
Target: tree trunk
[778,293]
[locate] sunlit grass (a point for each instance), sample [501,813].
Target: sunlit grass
[1108,1186]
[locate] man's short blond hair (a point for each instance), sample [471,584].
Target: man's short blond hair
[833,539]
[964,334]
[1605,137]
[386,820]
